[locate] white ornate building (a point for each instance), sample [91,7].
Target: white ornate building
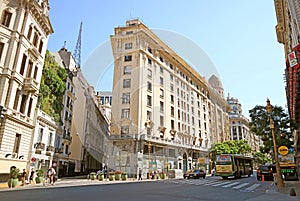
[24,30]
[163,115]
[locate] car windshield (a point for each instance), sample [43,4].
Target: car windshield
[264,168]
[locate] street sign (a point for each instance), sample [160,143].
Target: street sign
[33,159]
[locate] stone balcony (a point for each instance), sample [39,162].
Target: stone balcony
[39,147]
[30,85]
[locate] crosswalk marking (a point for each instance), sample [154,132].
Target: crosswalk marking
[216,183]
[232,184]
[221,183]
[241,186]
[254,186]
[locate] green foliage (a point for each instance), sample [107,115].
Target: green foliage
[14,173]
[40,172]
[261,158]
[283,127]
[52,88]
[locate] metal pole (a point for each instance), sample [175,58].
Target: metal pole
[280,183]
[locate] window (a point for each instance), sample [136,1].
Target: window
[161,81]
[172,124]
[172,87]
[149,50]
[128,58]
[126,98]
[22,108]
[128,46]
[161,70]
[41,46]
[29,107]
[149,101]
[172,111]
[161,59]
[161,106]
[149,86]
[125,113]
[40,136]
[29,69]
[1,49]
[161,121]
[161,93]
[149,61]
[171,77]
[50,138]
[35,39]
[17,143]
[6,18]
[149,114]
[124,130]
[22,69]
[149,73]
[35,72]
[172,99]
[126,83]
[29,32]
[17,96]
[127,70]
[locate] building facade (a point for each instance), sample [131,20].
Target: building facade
[161,108]
[24,30]
[288,33]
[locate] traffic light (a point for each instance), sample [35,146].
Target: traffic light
[2,111]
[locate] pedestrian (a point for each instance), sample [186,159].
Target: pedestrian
[51,174]
[23,177]
[31,177]
[140,174]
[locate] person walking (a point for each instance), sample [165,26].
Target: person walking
[23,177]
[140,174]
[31,177]
[51,174]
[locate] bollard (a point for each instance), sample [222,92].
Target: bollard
[292,192]
[263,178]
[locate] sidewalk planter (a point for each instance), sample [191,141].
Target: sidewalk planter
[124,176]
[40,174]
[118,175]
[111,176]
[92,175]
[13,174]
[101,177]
[163,175]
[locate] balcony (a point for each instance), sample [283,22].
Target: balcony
[58,150]
[30,85]
[49,150]
[39,147]
[67,137]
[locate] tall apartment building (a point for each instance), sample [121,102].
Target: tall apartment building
[288,33]
[65,166]
[161,109]
[24,30]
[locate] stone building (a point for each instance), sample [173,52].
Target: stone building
[288,33]
[24,30]
[162,112]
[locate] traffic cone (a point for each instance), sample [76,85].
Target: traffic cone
[262,178]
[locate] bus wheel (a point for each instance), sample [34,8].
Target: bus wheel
[225,177]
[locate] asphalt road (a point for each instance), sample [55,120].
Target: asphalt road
[210,189]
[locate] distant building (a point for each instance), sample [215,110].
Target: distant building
[24,29]
[105,97]
[239,125]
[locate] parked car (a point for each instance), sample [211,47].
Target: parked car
[186,174]
[196,174]
[266,171]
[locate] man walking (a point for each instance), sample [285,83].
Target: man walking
[140,174]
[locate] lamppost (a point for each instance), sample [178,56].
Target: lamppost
[149,149]
[280,183]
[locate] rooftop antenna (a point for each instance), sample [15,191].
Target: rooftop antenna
[65,42]
[131,7]
[77,52]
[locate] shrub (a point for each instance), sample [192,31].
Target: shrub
[14,173]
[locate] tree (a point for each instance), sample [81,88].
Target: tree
[52,88]
[261,158]
[283,127]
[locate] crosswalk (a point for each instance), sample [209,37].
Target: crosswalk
[237,185]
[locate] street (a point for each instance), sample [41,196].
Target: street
[211,188]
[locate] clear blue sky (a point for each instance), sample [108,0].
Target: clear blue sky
[238,36]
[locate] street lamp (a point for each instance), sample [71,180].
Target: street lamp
[280,183]
[149,149]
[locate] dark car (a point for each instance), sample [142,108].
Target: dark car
[196,174]
[266,171]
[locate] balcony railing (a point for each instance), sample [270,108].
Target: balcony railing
[58,150]
[39,146]
[30,84]
[67,137]
[50,148]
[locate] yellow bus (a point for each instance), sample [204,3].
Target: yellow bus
[233,165]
